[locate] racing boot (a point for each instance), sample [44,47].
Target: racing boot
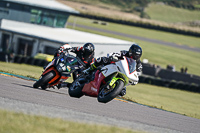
[123,92]
[89,70]
[64,84]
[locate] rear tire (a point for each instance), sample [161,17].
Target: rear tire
[43,81]
[105,95]
[75,89]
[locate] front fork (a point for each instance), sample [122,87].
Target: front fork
[116,77]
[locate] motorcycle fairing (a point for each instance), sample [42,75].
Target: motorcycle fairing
[109,69]
[113,69]
[92,88]
[124,66]
[56,79]
[52,68]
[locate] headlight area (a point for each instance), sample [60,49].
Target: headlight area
[61,67]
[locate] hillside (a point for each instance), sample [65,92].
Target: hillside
[187,20]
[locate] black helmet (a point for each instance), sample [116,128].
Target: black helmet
[88,49]
[135,51]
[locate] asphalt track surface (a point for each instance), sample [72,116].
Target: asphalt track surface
[140,38]
[19,95]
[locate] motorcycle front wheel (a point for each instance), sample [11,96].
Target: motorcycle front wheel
[107,94]
[43,81]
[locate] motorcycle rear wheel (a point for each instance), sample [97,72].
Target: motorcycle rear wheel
[43,81]
[75,90]
[105,95]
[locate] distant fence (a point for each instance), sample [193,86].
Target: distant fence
[150,75]
[25,60]
[163,77]
[170,75]
[30,61]
[170,84]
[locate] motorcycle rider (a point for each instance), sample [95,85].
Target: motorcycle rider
[135,52]
[85,53]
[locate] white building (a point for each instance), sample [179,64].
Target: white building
[41,12]
[29,39]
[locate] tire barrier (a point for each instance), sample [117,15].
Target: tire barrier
[30,61]
[21,60]
[2,57]
[152,70]
[173,85]
[40,62]
[170,84]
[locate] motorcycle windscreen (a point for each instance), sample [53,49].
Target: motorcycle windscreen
[131,65]
[72,62]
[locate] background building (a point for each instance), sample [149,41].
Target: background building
[29,39]
[42,12]
[29,27]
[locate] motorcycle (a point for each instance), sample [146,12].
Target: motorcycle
[59,70]
[107,82]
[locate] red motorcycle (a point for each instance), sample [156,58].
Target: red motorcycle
[107,82]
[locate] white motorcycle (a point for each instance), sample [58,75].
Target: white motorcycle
[107,82]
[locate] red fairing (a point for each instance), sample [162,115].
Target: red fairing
[58,76]
[92,88]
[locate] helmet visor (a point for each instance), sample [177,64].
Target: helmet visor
[136,57]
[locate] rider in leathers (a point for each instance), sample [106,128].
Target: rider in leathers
[85,54]
[135,52]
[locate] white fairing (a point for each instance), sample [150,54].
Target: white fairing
[122,66]
[109,69]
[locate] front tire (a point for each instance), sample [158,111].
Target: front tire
[107,94]
[43,81]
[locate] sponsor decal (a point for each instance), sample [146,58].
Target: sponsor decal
[93,89]
[135,75]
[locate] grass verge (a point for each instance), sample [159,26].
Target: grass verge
[142,32]
[171,14]
[178,101]
[182,102]
[12,122]
[156,53]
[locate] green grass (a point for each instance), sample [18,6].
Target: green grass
[21,69]
[155,53]
[142,32]
[171,14]
[178,101]
[182,102]
[197,6]
[12,122]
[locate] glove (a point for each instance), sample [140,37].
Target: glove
[60,50]
[113,58]
[139,67]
